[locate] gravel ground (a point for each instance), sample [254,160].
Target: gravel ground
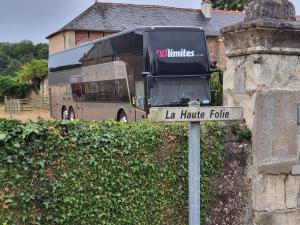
[27,115]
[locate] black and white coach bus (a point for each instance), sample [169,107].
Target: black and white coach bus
[121,76]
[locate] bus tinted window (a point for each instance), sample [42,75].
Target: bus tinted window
[106,90]
[176,52]
[103,91]
[121,91]
[69,58]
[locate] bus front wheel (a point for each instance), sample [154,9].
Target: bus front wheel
[122,117]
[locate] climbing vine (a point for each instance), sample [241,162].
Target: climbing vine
[95,173]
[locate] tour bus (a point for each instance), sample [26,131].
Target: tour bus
[123,75]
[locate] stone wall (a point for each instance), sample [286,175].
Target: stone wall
[277,199]
[263,77]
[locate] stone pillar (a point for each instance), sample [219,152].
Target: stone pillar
[263,77]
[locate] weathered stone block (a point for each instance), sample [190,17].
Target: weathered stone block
[293,192]
[296,170]
[272,72]
[269,192]
[262,37]
[240,80]
[229,80]
[250,74]
[274,9]
[291,217]
[275,131]
[247,101]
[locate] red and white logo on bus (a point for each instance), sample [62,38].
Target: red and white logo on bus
[171,53]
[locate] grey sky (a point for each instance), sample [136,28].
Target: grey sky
[35,19]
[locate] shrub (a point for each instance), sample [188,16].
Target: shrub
[218,89]
[101,172]
[34,72]
[12,87]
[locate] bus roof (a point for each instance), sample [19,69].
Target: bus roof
[136,30]
[110,45]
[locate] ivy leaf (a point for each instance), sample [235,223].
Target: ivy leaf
[42,163]
[17,145]
[2,136]
[9,159]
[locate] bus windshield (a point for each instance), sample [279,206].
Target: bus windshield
[179,91]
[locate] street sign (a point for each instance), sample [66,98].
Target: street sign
[195,113]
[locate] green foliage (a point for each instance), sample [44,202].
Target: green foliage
[12,87]
[101,172]
[34,71]
[13,55]
[8,65]
[217,88]
[230,4]
[241,132]
[26,59]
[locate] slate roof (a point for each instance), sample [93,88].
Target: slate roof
[114,17]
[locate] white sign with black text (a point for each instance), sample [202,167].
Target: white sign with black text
[173,114]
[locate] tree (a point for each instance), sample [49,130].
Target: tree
[13,87]
[229,4]
[34,72]
[41,51]
[13,55]
[8,65]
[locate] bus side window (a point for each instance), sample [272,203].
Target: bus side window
[106,92]
[91,91]
[77,89]
[121,90]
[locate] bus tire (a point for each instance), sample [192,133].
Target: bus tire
[122,117]
[64,113]
[71,114]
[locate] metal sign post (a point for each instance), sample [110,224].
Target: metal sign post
[195,114]
[194,170]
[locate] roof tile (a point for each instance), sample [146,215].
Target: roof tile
[117,17]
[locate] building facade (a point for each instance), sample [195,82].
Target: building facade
[103,19]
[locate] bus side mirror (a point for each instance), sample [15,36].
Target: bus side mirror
[145,74]
[149,81]
[221,77]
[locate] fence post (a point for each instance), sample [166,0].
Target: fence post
[5,104]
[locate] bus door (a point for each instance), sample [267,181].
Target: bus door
[78,90]
[79,110]
[139,99]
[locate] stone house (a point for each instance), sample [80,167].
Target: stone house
[102,19]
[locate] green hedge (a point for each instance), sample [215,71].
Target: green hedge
[98,173]
[12,87]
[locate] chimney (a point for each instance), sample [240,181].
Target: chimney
[206,8]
